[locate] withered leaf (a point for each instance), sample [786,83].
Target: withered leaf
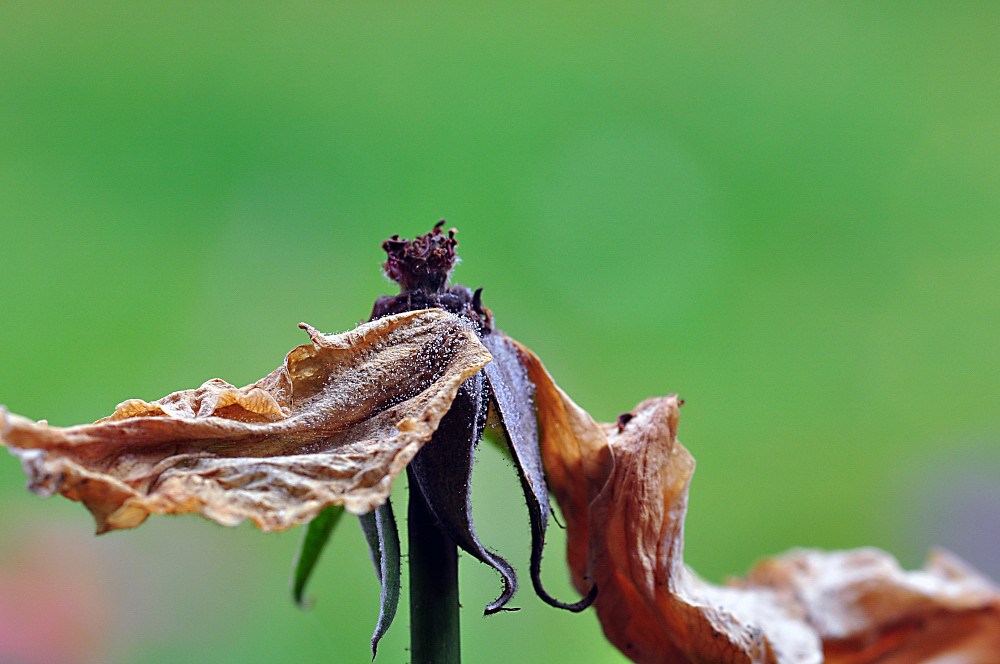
[623,489]
[334,425]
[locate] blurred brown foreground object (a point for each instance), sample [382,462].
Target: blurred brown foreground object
[623,489]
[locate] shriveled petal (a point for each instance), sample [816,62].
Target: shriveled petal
[651,606]
[577,461]
[623,489]
[442,472]
[865,608]
[512,395]
[335,424]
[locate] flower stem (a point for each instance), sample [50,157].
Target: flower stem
[434,620]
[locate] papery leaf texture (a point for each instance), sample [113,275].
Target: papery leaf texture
[335,424]
[314,540]
[379,528]
[623,489]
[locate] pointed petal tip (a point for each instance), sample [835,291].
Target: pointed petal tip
[500,603]
[490,610]
[574,607]
[313,333]
[543,594]
[509,586]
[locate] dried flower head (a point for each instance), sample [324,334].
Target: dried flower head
[415,387]
[443,469]
[332,427]
[423,265]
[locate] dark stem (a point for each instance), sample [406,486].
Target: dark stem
[434,621]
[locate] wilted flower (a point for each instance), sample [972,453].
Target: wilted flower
[414,388]
[333,426]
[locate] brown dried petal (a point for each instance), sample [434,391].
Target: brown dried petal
[623,490]
[335,424]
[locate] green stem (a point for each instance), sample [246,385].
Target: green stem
[434,621]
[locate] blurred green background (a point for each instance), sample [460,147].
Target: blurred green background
[788,213]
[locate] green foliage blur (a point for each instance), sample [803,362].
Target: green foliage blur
[789,213]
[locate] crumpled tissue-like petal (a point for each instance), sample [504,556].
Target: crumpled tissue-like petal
[623,490]
[335,424]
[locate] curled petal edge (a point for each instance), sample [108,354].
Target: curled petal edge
[623,491]
[335,424]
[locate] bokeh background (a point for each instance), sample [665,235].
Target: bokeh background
[788,213]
